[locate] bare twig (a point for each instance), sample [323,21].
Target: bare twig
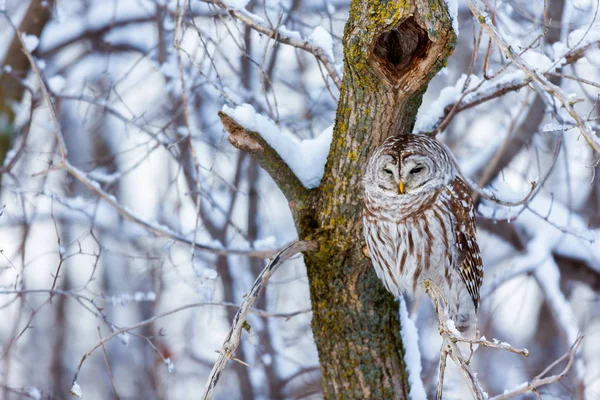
[305,246]
[540,379]
[542,84]
[449,348]
[282,36]
[154,228]
[234,336]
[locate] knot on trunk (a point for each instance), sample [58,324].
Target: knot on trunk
[400,50]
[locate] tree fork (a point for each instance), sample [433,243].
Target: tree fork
[392,49]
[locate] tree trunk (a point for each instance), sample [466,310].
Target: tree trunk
[391,51]
[11,90]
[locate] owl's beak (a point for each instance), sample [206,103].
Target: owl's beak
[401,187]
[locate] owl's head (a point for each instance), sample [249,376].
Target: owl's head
[408,165]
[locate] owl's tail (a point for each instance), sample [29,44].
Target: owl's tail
[464,315]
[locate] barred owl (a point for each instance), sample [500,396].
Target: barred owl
[419,224]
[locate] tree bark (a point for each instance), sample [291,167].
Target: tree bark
[11,90]
[391,51]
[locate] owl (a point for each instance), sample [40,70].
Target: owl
[419,224]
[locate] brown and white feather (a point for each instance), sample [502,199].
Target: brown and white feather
[427,233]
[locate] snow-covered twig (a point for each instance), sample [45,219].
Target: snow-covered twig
[494,344]
[542,84]
[284,36]
[232,341]
[540,380]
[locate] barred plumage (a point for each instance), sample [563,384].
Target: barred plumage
[419,224]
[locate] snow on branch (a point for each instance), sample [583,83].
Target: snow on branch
[541,83]
[232,341]
[318,44]
[459,97]
[412,356]
[294,165]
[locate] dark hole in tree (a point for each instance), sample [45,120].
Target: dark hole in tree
[398,48]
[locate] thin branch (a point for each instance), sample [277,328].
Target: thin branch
[540,380]
[158,229]
[303,247]
[284,36]
[232,341]
[542,84]
[266,156]
[449,347]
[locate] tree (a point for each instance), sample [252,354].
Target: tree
[391,51]
[132,231]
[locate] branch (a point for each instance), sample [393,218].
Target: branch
[547,276]
[449,348]
[491,89]
[155,228]
[145,322]
[232,341]
[539,379]
[543,85]
[284,36]
[111,200]
[32,23]
[252,142]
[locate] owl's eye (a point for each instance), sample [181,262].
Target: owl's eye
[388,171]
[417,169]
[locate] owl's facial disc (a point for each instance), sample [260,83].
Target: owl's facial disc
[387,174]
[414,173]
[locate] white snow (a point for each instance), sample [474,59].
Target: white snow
[170,365]
[518,387]
[452,328]
[34,393]
[429,116]
[412,356]
[321,38]
[76,390]
[452,6]
[57,83]
[236,4]
[294,35]
[31,41]
[551,127]
[208,273]
[305,158]
[537,60]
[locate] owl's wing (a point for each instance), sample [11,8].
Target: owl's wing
[469,263]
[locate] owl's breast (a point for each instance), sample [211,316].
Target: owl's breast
[407,252]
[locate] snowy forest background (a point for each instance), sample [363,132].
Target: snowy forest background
[104,243]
